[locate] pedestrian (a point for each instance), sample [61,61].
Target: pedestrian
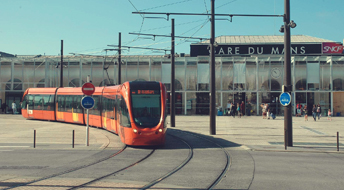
[318,111]
[268,114]
[314,112]
[239,110]
[242,108]
[229,106]
[249,107]
[263,110]
[20,108]
[14,107]
[329,114]
[298,110]
[233,109]
[3,107]
[305,112]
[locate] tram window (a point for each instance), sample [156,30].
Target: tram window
[109,105]
[30,102]
[97,104]
[38,102]
[24,102]
[115,106]
[68,103]
[48,102]
[61,103]
[77,104]
[125,121]
[147,109]
[105,102]
[51,104]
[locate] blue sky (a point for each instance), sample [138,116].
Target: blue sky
[32,27]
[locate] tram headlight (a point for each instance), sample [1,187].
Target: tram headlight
[135,130]
[160,130]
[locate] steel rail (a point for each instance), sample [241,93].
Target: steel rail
[154,182]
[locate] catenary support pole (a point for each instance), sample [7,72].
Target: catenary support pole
[288,128]
[119,58]
[61,66]
[172,94]
[212,72]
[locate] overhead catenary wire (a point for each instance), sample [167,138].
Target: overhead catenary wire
[170,4]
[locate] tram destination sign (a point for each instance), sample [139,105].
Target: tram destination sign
[254,49]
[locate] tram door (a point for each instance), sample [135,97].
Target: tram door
[202,103]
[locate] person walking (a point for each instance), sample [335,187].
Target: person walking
[264,107]
[305,112]
[242,108]
[3,108]
[329,114]
[318,111]
[249,107]
[239,110]
[314,112]
[233,110]
[14,107]
[229,106]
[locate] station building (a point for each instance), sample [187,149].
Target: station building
[248,68]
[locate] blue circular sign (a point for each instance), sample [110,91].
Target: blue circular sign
[285,99]
[87,102]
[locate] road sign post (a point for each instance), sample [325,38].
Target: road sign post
[87,102]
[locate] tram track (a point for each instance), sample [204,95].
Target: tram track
[159,179]
[227,165]
[150,184]
[71,170]
[225,169]
[184,139]
[113,173]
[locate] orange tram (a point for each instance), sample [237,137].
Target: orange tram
[136,111]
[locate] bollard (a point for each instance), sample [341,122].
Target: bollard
[73,140]
[34,138]
[337,141]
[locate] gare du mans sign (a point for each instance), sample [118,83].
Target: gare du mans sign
[266,49]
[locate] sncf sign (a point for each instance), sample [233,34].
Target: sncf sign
[332,48]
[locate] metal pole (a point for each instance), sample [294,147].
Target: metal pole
[73,139]
[34,138]
[61,73]
[173,94]
[119,58]
[212,72]
[337,141]
[288,128]
[87,129]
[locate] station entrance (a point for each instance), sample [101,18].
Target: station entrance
[10,97]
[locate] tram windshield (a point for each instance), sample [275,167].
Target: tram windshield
[146,107]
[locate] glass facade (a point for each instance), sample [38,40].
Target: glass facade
[254,80]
